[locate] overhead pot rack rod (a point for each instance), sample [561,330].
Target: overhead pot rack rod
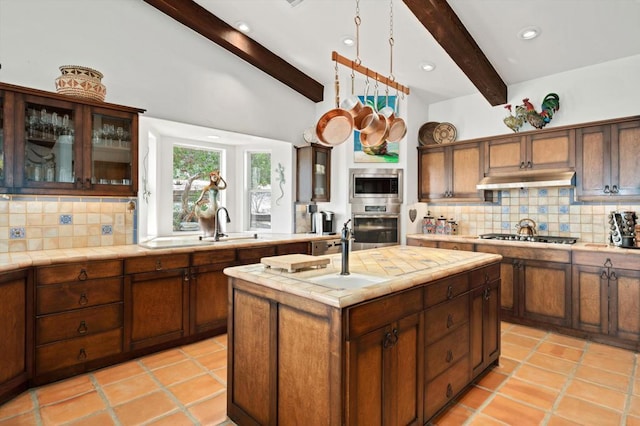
[335,56]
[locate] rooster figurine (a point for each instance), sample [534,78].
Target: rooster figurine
[514,122]
[550,105]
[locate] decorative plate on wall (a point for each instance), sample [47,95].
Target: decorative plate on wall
[444,133]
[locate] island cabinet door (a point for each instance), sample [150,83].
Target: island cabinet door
[485,323]
[625,305]
[384,374]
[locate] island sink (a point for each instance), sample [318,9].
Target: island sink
[344,282]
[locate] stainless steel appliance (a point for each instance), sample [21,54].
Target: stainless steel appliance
[375,186]
[328,226]
[530,238]
[375,225]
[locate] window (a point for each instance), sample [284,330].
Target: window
[191,168]
[259,169]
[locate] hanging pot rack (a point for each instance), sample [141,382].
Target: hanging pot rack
[335,56]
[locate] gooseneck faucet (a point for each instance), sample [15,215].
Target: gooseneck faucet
[218,231]
[345,238]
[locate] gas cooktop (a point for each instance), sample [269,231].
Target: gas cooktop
[532,239]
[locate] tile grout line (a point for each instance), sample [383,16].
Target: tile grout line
[629,399]
[36,406]
[104,398]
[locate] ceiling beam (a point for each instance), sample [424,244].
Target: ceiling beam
[213,28]
[445,26]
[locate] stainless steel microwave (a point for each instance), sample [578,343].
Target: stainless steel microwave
[375,186]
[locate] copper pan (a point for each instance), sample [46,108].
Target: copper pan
[397,126]
[335,126]
[379,134]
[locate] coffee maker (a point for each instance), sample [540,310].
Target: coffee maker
[328,225]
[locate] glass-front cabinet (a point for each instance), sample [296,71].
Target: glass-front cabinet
[314,173]
[63,145]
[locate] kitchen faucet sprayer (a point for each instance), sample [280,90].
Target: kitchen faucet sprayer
[218,231]
[345,237]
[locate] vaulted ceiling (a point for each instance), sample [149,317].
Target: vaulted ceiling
[473,44]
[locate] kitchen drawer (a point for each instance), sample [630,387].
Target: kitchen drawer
[74,272]
[63,297]
[453,245]
[78,323]
[253,255]
[444,387]
[446,317]
[485,275]
[618,260]
[372,315]
[419,242]
[227,256]
[66,353]
[156,263]
[446,289]
[525,252]
[446,351]
[293,248]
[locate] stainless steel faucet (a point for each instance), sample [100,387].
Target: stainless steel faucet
[345,238]
[218,231]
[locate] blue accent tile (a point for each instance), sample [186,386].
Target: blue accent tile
[543,226]
[17,233]
[505,209]
[66,219]
[506,225]
[524,192]
[107,230]
[563,209]
[524,209]
[543,209]
[563,192]
[564,227]
[505,193]
[542,192]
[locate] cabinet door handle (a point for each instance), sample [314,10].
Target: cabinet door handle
[82,355]
[614,189]
[529,164]
[83,299]
[449,390]
[82,328]
[449,357]
[522,165]
[186,276]
[613,277]
[608,263]
[158,265]
[606,189]
[449,292]
[487,293]
[387,343]
[486,278]
[604,275]
[449,320]
[88,183]
[79,183]
[82,276]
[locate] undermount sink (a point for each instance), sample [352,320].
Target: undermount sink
[194,240]
[344,282]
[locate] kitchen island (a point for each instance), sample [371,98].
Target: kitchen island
[393,343]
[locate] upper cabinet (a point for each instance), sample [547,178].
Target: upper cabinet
[608,158]
[314,173]
[52,143]
[533,151]
[451,172]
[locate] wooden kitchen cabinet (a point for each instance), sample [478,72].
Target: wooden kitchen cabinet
[447,245]
[451,173]
[61,145]
[313,173]
[208,291]
[606,296]
[608,157]
[536,284]
[16,293]
[537,150]
[78,317]
[485,319]
[156,299]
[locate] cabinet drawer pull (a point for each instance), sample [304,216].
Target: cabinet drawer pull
[83,299]
[449,320]
[449,390]
[449,292]
[158,265]
[82,276]
[449,357]
[82,355]
[82,328]
[608,263]
[88,183]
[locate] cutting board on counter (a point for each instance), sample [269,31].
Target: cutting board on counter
[294,262]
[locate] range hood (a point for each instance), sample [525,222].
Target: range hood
[528,180]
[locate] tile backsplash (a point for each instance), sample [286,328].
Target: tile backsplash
[550,208]
[31,223]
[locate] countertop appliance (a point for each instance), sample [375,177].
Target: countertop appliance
[375,186]
[530,238]
[328,223]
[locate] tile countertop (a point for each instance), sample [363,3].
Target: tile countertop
[25,259]
[474,239]
[406,267]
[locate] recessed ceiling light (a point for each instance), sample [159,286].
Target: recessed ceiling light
[213,137]
[348,41]
[427,66]
[243,26]
[529,33]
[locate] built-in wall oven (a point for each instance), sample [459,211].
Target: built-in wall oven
[375,196]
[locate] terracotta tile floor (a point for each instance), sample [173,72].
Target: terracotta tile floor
[543,379]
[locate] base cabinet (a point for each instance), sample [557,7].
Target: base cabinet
[395,360]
